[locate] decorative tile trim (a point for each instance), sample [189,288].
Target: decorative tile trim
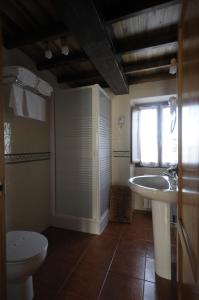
[17,158]
[122,153]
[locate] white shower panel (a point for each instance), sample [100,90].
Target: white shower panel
[82,159]
[104,151]
[73,118]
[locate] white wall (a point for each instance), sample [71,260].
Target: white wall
[120,140]
[152,89]
[28,184]
[121,106]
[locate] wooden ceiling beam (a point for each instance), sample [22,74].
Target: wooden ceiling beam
[9,9]
[102,83]
[146,40]
[22,40]
[90,76]
[71,59]
[153,63]
[163,75]
[82,18]
[8,26]
[129,44]
[160,64]
[114,11]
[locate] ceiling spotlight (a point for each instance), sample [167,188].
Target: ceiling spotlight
[173,66]
[65,50]
[48,54]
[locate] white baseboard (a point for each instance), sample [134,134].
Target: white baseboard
[104,221]
[81,224]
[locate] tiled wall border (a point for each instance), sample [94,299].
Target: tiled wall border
[121,153]
[17,158]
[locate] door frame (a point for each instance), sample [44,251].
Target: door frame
[187,262]
[2,180]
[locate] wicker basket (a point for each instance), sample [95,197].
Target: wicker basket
[120,204]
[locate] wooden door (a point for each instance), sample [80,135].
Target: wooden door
[2,204]
[188,204]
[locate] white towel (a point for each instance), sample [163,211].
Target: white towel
[44,87]
[22,74]
[27,78]
[35,106]
[16,100]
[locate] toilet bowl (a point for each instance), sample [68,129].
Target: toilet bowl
[25,253]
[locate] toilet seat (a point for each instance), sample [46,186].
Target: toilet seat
[26,251]
[23,246]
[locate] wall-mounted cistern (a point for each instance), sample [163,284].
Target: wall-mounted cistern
[159,189]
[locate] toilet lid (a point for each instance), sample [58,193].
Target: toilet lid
[22,245]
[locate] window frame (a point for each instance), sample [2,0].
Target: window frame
[159,106]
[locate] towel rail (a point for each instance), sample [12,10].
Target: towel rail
[14,80]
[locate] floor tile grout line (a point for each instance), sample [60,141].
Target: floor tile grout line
[78,263]
[128,275]
[108,271]
[119,235]
[145,265]
[72,271]
[143,288]
[111,261]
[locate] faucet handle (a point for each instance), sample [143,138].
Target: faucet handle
[173,170]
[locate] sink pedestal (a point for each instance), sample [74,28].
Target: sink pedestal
[162,238]
[158,188]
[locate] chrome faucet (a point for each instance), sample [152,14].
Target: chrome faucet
[172,174]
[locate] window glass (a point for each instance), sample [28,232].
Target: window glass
[169,138]
[148,136]
[154,135]
[135,137]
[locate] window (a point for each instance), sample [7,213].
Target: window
[154,142]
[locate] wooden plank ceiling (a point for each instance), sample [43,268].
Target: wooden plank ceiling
[111,42]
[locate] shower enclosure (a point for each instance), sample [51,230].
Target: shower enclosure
[82,159]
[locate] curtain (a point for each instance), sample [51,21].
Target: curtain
[135,136]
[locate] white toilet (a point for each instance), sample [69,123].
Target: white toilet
[25,252]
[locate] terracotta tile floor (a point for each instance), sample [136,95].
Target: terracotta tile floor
[118,264]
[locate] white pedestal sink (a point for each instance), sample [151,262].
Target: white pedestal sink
[157,188]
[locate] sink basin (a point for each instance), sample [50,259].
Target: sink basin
[158,189]
[154,187]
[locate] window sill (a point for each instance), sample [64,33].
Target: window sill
[150,166]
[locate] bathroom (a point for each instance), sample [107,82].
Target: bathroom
[88,257]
